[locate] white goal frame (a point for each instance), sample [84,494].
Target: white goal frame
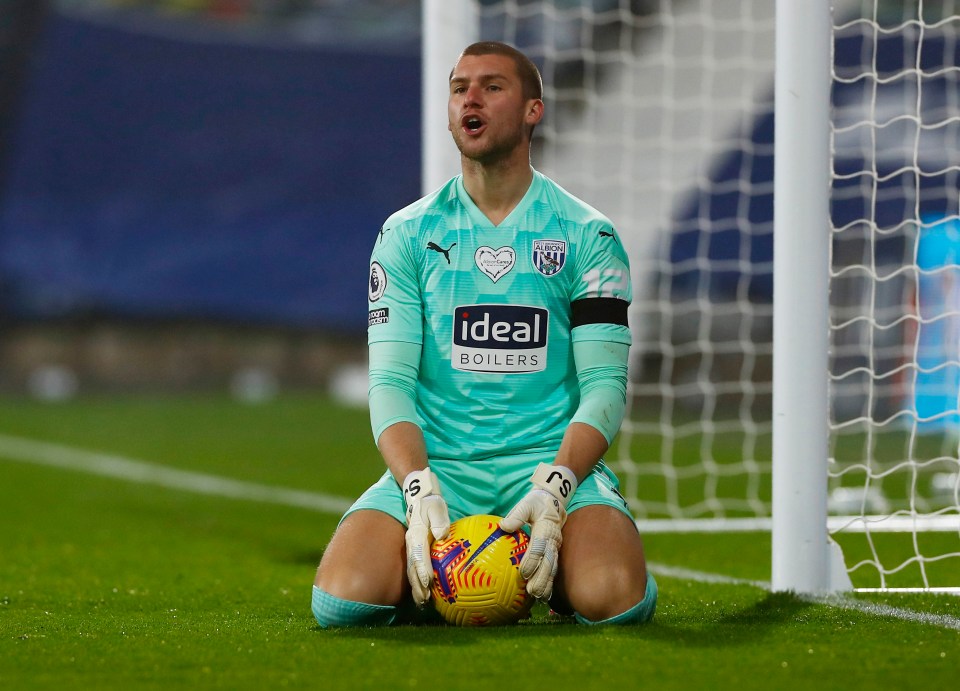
[800,543]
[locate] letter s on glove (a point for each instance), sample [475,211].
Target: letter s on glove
[427,515]
[545,509]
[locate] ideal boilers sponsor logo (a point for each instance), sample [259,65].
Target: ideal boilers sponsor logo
[500,338]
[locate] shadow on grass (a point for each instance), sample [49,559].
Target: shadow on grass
[431,630]
[743,627]
[695,626]
[746,626]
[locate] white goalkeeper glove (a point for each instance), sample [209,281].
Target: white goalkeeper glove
[426,514]
[545,509]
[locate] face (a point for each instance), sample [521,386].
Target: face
[488,115]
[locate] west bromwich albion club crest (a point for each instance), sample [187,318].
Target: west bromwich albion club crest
[549,256]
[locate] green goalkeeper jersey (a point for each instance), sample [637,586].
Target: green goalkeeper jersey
[496,309]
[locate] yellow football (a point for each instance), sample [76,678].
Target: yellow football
[477,567]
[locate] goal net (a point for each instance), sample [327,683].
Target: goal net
[895,282]
[660,113]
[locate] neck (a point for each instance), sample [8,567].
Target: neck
[496,188]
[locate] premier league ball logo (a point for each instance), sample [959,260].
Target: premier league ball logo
[378,282]
[549,256]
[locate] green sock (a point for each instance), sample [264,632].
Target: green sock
[333,611]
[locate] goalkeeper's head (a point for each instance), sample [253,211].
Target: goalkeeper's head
[531,84]
[530,79]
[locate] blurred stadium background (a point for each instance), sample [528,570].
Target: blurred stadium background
[188,188]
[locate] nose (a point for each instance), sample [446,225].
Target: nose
[471,97]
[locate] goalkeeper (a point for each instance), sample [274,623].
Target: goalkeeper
[498,345]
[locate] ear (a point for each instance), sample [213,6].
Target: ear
[534,112]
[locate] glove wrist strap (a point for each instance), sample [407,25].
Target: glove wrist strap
[420,484]
[558,480]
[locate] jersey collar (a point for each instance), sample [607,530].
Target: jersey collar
[479,219]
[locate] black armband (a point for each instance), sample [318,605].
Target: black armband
[598,311]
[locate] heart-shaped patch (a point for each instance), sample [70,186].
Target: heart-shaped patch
[495,263]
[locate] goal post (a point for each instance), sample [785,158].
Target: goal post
[448,26]
[784,177]
[800,300]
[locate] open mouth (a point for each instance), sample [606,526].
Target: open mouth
[471,123]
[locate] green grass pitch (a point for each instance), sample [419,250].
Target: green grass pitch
[109,583]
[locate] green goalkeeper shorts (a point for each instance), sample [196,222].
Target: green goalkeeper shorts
[492,486]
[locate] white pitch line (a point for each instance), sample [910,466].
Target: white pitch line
[945,621]
[703,577]
[143,472]
[877,609]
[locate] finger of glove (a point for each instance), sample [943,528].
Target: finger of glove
[438,517]
[417,557]
[540,583]
[545,537]
[419,568]
[418,591]
[518,516]
[532,558]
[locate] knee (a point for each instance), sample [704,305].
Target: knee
[640,612]
[607,593]
[364,561]
[359,585]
